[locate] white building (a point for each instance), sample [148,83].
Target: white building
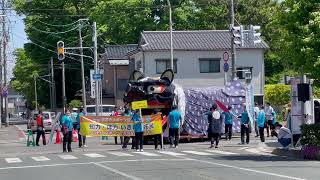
[198,58]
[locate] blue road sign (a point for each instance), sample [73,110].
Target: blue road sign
[96,77]
[226,67]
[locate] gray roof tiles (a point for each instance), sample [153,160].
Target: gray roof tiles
[193,40]
[119,51]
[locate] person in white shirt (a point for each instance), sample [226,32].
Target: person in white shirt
[269,117]
[256,112]
[284,135]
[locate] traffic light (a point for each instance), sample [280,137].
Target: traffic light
[237,32]
[255,37]
[60,48]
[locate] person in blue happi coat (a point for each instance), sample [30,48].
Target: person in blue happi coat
[67,126]
[228,121]
[138,130]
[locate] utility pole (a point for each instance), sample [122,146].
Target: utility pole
[1,86]
[233,47]
[64,99]
[5,41]
[171,38]
[35,91]
[84,98]
[96,66]
[53,85]
[50,87]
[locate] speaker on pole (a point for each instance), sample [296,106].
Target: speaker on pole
[303,92]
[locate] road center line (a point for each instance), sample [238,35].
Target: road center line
[117,172]
[246,169]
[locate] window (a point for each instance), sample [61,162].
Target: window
[209,65]
[164,64]
[258,99]
[241,72]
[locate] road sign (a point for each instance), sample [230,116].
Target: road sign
[139,104]
[92,84]
[226,67]
[96,77]
[225,56]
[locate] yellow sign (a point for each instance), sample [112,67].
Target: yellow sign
[118,125]
[139,104]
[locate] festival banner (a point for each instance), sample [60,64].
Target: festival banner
[118,125]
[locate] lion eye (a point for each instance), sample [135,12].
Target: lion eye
[156,89]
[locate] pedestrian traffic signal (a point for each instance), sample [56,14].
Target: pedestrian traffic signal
[60,49]
[255,37]
[237,32]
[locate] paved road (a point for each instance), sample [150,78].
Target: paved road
[188,162]
[104,160]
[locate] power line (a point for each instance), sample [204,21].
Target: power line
[48,32]
[57,25]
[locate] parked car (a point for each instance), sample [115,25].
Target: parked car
[48,121]
[107,110]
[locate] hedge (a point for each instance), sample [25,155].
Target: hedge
[310,139]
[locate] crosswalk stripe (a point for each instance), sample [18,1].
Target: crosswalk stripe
[67,157]
[198,153]
[13,160]
[171,153]
[222,152]
[94,155]
[147,154]
[120,154]
[40,158]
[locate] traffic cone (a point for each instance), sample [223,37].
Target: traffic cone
[58,137]
[29,140]
[74,136]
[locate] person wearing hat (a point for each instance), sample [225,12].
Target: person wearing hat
[215,123]
[174,119]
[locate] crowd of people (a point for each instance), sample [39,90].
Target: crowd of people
[264,119]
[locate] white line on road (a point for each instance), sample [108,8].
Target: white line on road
[171,153]
[222,152]
[198,153]
[40,158]
[13,160]
[147,154]
[249,170]
[120,153]
[94,155]
[67,156]
[86,163]
[256,151]
[243,148]
[117,171]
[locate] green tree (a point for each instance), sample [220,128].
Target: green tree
[43,21]
[75,103]
[300,21]
[277,94]
[122,21]
[23,73]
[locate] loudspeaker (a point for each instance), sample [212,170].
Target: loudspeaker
[303,92]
